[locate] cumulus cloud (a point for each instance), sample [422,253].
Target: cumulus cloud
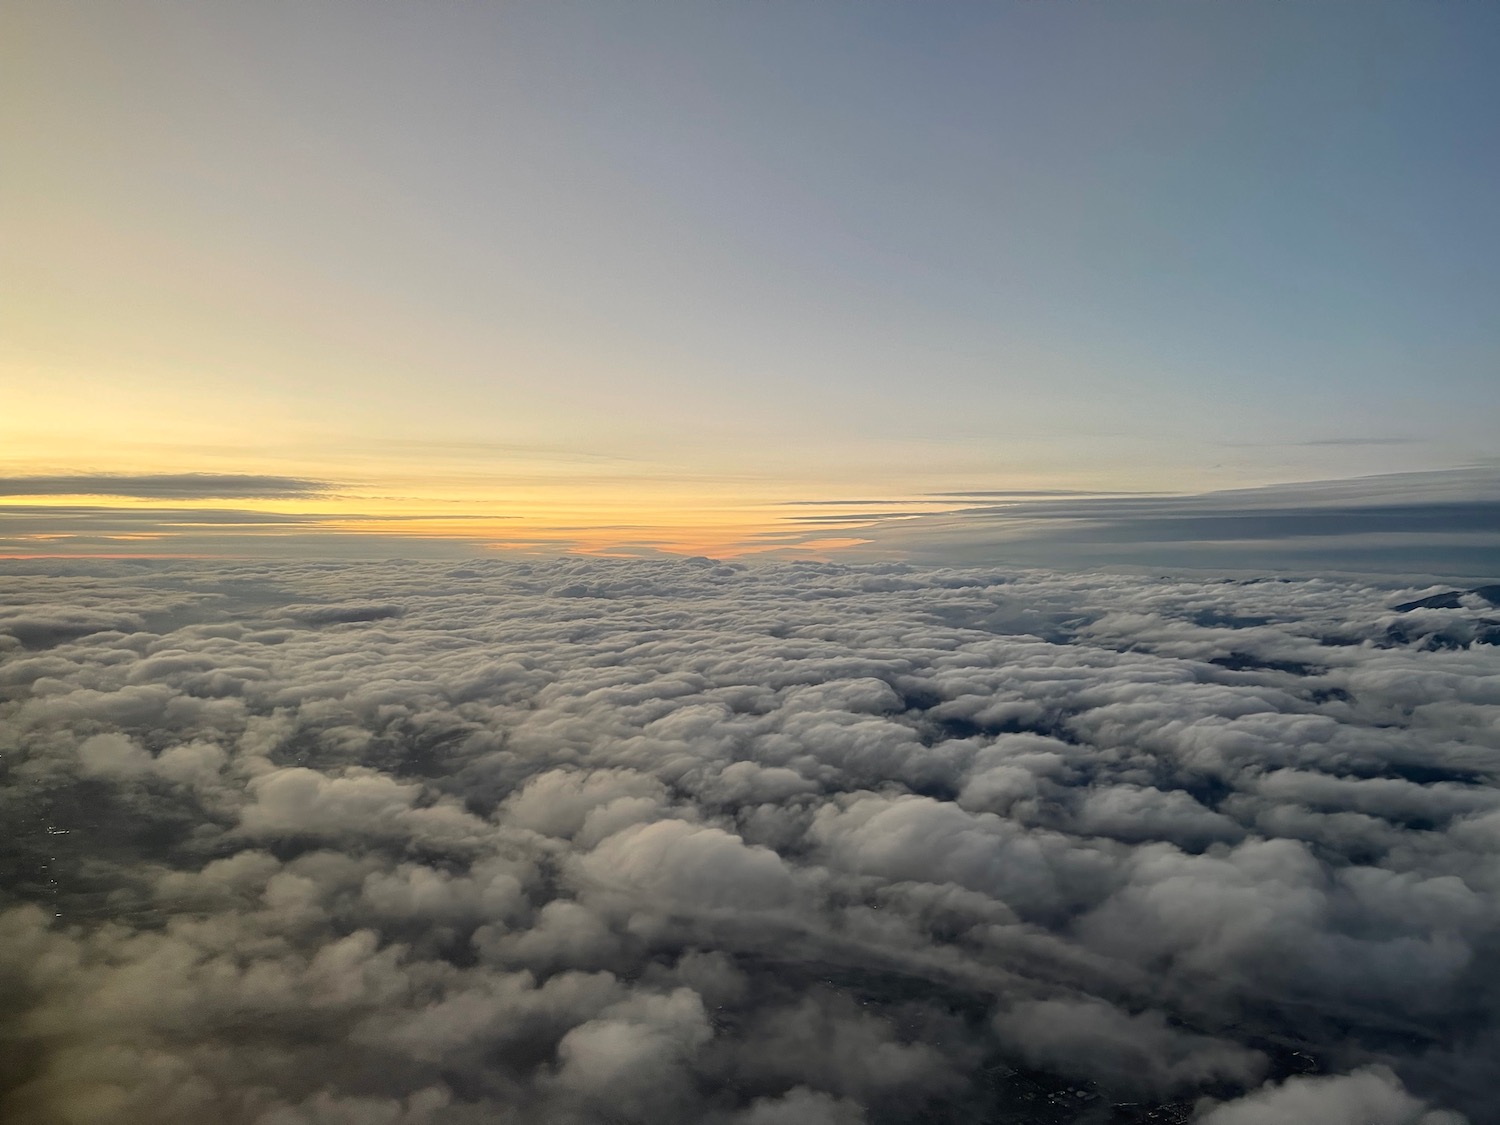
[593,840]
[1369,1096]
[1093,1039]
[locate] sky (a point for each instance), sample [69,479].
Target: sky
[749,563]
[673,277]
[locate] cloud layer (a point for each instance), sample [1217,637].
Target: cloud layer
[1440,522]
[679,842]
[164,486]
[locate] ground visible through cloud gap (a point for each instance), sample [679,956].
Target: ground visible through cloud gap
[609,841]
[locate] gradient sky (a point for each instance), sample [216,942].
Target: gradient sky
[629,276]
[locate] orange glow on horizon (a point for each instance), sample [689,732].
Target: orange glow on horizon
[602,523]
[450,504]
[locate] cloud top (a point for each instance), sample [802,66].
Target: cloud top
[672,842]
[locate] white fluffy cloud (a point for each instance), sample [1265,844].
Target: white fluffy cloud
[415,844]
[1369,1096]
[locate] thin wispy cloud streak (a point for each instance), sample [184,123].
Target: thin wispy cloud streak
[166,486]
[1362,441]
[852,517]
[1033,493]
[861,503]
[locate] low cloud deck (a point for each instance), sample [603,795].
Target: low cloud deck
[686,842]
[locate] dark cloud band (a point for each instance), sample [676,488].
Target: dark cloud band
[172,486]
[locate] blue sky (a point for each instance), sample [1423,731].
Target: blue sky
[586,261]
